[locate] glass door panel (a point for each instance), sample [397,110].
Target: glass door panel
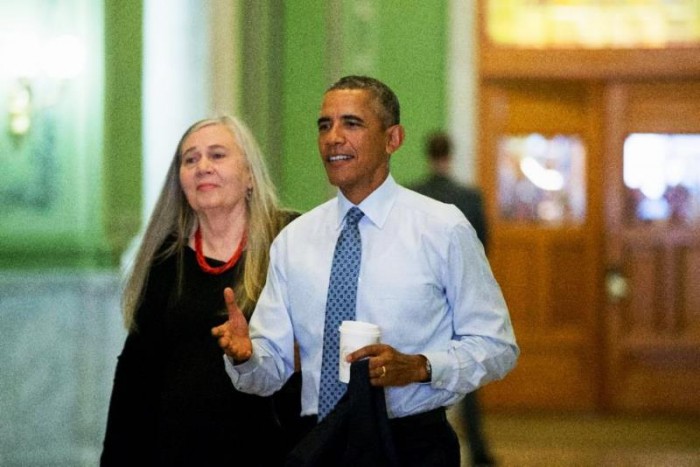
[662,178]
[542,179]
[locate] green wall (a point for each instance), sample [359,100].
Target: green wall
[122,154]
[291,52]
[406,43]
[413,61]
[303,184]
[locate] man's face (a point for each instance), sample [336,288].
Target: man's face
[353,143]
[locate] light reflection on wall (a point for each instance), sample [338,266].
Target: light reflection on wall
[35,70]
[662,176]
[51,131]
[41,66]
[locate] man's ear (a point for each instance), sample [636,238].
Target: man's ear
[395,135]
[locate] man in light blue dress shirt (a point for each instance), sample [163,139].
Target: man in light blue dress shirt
[424,280]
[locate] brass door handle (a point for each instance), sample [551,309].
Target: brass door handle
[616,285]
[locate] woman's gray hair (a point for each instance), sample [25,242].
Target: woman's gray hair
[173,217]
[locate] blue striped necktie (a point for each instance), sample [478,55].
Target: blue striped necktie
[340,306]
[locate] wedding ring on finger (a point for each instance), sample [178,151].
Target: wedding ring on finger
[383,372]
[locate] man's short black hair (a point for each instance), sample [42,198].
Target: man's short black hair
[389,108]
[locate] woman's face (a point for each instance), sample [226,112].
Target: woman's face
[213,171]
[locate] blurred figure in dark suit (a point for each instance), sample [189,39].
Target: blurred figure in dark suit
[440,186]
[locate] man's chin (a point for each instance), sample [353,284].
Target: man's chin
[334,180]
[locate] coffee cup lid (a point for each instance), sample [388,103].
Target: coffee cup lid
[359,326]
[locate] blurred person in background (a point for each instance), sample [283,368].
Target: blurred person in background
[439,185]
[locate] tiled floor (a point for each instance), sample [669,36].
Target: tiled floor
[535,440]
[61,334]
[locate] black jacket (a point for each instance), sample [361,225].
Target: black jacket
[355,433]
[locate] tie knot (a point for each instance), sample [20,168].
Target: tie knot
[354,215]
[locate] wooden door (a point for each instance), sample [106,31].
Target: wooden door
[548,266]
[606,310]
[652,315]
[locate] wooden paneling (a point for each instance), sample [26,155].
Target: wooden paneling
[582,64]
[568,262]
[516,268]
[657,381]
[548,272]
[580,348]
[553,377]
[653,335]
[669,106]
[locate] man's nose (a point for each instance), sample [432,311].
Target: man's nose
[335,135]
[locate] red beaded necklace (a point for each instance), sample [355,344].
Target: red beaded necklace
[203,261]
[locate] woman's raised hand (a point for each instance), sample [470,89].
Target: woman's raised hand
[233,335]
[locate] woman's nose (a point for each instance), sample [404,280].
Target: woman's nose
[203,166]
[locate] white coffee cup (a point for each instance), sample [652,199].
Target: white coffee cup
[354,335]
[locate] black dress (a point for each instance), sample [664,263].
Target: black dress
[172,402]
